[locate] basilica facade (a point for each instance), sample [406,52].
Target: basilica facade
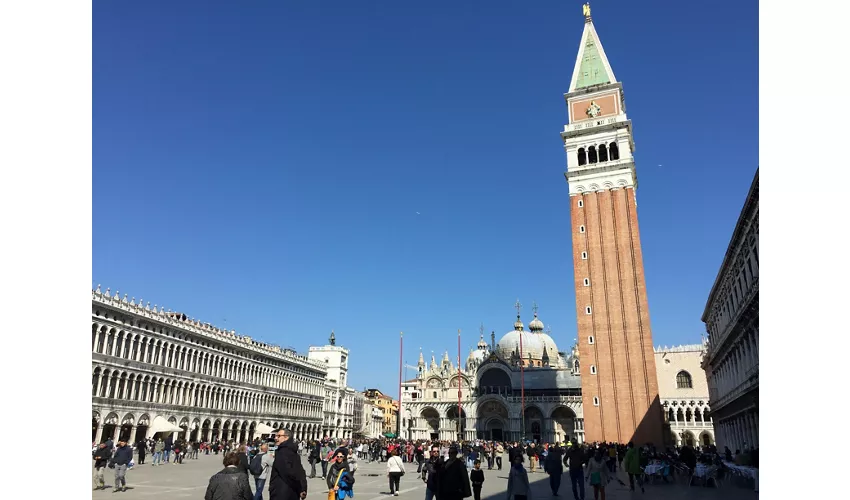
[522,387]
[484,398]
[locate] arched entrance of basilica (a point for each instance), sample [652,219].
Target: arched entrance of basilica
[457,422]
[533,424]
[432,420]
[563,420]
[492,421]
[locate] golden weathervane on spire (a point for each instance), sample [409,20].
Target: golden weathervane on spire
[585,9]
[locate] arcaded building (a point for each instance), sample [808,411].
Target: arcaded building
[731,320]
[157,372]
[618,373]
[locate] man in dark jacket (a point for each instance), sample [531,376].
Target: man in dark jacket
[121,459]
[229,483]
[577,459]
[101,458]
[288,479]
[453,483]
[553,466]
[431,472]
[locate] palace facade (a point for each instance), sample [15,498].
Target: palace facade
[731,319]
[157,372]
[683,389]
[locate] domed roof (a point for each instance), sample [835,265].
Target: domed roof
[548,343]
[509,343]
[536,325]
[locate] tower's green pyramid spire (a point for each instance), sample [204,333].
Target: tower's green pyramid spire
[592,67]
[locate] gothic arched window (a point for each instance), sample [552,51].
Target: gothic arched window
[591,154]
[603,153]
[614,151]
[684,381]
[582,157]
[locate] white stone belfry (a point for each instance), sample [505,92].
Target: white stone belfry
[598,139]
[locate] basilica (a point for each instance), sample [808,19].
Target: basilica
[521,387]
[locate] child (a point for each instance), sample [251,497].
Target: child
[477,478]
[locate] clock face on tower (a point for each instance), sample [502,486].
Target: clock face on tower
[593,110]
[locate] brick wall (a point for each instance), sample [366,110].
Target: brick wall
[625,381]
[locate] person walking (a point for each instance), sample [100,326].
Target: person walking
[313,457]
[120,461]
[631,462]
[337,470]
[476,477]
[500,450]
[142,448]
[158,450]
[430,470]
[101,459]
[518,487]
[261,464]
[597,473]
[454,478]
[325,452]
[229,483]
[395,469]
[288,481]
[554,466]
[577,459]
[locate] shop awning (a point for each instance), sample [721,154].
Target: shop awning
[162,425]
[262,428]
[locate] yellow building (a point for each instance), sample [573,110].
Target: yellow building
[388,406]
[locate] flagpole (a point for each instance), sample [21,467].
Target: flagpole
[522,387]
[400,364]
[459,385]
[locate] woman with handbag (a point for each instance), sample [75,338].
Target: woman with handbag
[596,471]
[395,469]
[335,473]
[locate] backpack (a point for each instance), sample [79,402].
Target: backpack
[256,466]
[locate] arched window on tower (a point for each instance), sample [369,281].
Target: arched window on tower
[582,157]
[614,151]
[603,153]
[684,381]
[591,154]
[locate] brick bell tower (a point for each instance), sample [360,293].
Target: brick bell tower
[618,378]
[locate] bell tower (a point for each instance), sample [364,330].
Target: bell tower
[619,384]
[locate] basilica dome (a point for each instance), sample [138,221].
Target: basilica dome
[547,343]
[509,343]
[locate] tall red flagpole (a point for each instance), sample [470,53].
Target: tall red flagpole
[459,385]
[400,364]
[522,386]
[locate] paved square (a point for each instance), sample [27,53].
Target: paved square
[190,480]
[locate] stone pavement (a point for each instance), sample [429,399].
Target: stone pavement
[190,480]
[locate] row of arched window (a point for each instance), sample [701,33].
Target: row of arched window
[131,386]
[598,154]
[688,415]
[146,349]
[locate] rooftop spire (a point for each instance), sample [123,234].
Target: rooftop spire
[592,66]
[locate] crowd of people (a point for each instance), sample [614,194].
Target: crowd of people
[449,470]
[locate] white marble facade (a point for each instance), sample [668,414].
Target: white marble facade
[491,395]
[154,369]
[731,319]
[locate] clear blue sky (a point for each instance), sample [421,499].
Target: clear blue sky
[264,163]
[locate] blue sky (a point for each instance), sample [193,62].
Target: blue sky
[261,166]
